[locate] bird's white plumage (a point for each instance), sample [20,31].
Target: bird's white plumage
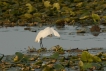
[55,32]
[44,33]
[48,30]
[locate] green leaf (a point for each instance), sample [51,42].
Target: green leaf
[27,15]
[81,64]
[84,15]
[55,55]
[56,5]
[96,59]
[37,19]
[86,56]
[25,59]
[30,8]
[104,17]
[20,55]
[38,62]
[96,65]
[95,17]
[37,14]
[58,66]
[47,4]
[87,65]
[47,69]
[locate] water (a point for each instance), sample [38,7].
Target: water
[17,39]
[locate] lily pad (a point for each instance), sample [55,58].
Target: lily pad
[47,4]
[55,55]
[58,66]
[56,5]
[95,17]
[86,57]
[21,57]
[87,65]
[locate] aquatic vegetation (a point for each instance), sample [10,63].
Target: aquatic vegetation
[60,23]
[95,17]
[81,64]
[55,61]
[76,10]
[87,57]
[47,4]
[30,8]
[55,55]
[58,67]
[1,57]
[56,5]
[20,57]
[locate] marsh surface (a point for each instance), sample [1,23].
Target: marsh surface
[14,39]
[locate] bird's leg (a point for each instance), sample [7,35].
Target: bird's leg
[41,45]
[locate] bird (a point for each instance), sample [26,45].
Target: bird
[48,31]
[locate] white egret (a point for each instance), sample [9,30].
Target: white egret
[44,33]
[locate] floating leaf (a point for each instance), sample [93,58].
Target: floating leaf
[84,15]
[56,5]
[58,66]
[95,17]
[39,62]
[67,19]
[96,65]
[77,0]
[86,57]
[37,14]
[16,58]
[72,13]
[104,55]
[47,69]
[104,17]
[37,19]
[87,65]
[30,8]
[5,4]
[79,4]
[66,9]
[47,4]
[20,55]
[55,55]
[96,59]
[81,64]
[27,15]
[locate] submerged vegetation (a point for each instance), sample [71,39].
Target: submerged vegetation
[56,12]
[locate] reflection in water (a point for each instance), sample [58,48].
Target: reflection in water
[80,34]
[17,38]
[95,33]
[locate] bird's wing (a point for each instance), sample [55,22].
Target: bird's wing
[47,28]
[37,39]
[43,33]
[48,31]
[55,32]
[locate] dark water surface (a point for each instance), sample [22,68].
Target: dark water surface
[16,39]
